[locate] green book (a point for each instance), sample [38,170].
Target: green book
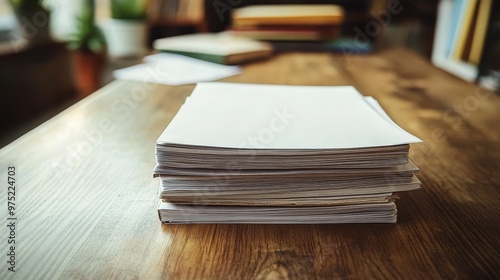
[221,48]
[217,58]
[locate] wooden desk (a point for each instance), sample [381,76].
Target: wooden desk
[86,199]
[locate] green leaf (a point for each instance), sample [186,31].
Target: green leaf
[88,36]
[128,9]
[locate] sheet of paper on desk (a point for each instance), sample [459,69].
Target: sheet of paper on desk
[172,69]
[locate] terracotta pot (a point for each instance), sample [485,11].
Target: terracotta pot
[88,71]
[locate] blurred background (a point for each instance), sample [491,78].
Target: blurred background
[56,52]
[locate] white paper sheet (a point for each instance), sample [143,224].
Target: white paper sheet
[281,117]
[172,69]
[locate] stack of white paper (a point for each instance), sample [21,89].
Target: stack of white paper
[281,154]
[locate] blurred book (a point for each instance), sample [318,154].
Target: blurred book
[341,45]
[172,10]
[464,32]
[288,22]
[243,153]
[479,32]
[222,48]
[269,15]
[287,33]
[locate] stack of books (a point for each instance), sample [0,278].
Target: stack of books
[244,153]
[288,22]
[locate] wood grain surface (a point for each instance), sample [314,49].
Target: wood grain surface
[86,200]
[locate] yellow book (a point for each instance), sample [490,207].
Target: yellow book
[480,31]
[464,30]
[288,15]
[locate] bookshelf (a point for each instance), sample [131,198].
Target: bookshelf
[462,35]
[215,16]
[177,13]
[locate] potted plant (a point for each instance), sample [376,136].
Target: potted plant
[33,22]
[126,31]
[89,51]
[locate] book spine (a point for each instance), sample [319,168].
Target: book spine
[203,56]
